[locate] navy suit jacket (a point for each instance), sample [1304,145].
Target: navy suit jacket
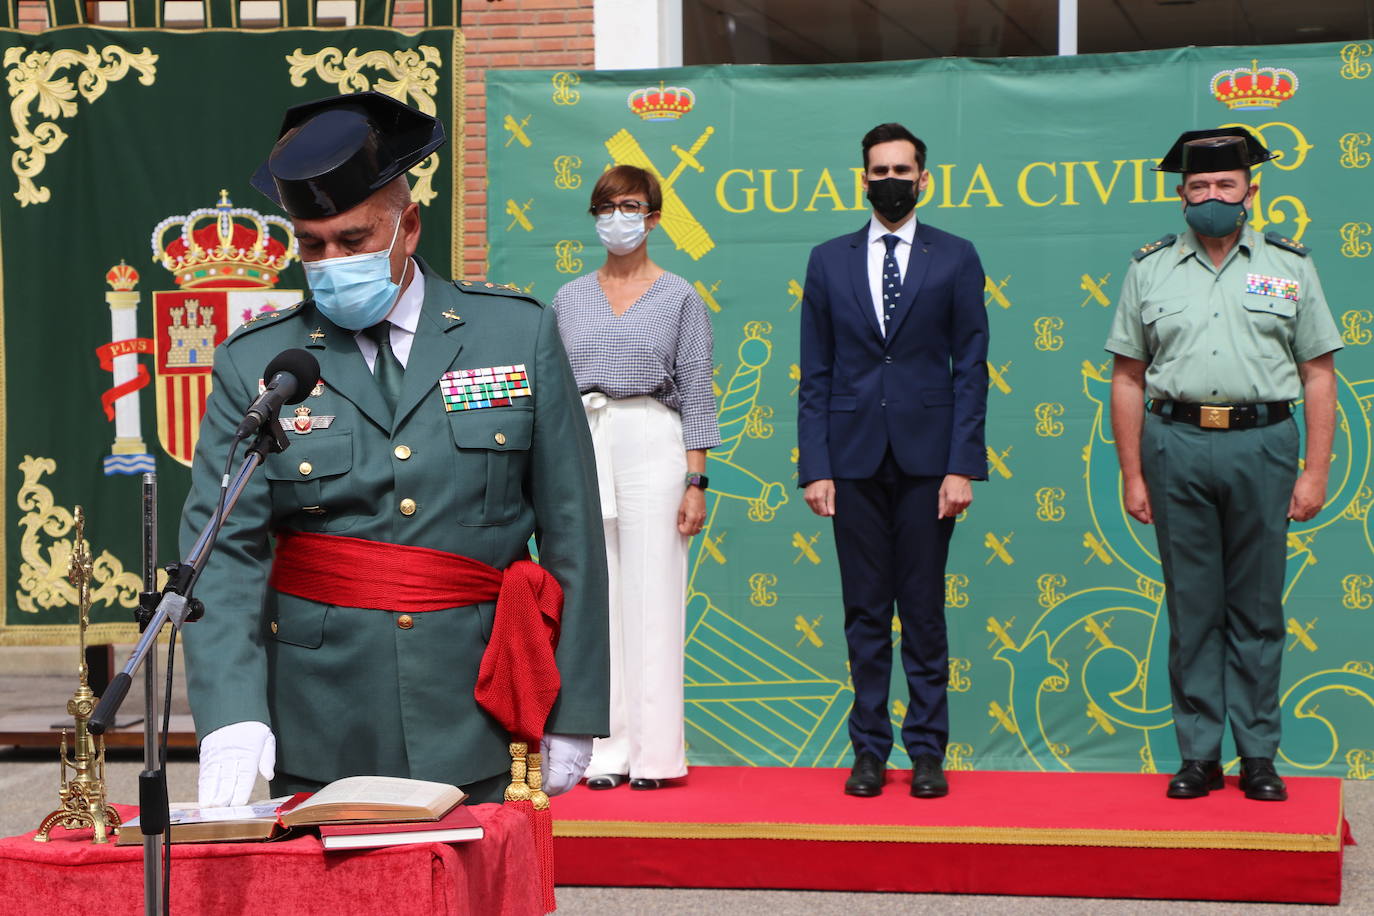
[922,389]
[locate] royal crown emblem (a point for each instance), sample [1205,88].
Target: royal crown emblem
[664,103]
[224,246]
[226,261]
[1254,86]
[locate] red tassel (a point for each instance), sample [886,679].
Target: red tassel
[541,821]
[526,795]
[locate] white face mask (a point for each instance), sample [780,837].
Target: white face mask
[620,233]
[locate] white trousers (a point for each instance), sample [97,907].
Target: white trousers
[641,463]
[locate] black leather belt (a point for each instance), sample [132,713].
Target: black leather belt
[1223,416]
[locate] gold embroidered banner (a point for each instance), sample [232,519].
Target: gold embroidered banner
[131,243]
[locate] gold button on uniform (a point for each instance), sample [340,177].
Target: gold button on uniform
[401,451]
[306,468]
[500,438]
[274,626]
[405,622]
[407,506]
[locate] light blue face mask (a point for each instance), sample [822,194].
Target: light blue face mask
[355,292]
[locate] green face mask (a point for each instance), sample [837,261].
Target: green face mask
[1215,218]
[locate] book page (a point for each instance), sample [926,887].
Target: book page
[382,791]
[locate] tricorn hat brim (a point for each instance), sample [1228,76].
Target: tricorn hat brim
[1220,149]
[332,154]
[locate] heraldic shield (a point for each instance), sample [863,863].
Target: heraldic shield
[226,262]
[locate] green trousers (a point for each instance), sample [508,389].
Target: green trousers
[1220,503]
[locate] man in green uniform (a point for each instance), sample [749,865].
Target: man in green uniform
[349,597]
[1221,328]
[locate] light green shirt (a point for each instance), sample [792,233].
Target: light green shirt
[1228,335]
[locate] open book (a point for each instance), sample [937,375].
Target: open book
[352,800]
[372,799]
[193,824]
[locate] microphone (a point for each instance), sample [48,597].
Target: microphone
[291,375]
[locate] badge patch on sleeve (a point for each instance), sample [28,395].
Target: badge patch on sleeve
[469,389]
[1278,287]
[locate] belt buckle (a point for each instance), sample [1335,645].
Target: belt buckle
[1215,417]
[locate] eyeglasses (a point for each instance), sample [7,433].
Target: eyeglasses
[627,207]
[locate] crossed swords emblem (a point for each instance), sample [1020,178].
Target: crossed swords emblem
[682,227]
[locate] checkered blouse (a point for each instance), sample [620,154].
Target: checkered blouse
[660,347]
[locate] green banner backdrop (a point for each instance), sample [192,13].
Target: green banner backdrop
[1058,638]
[131,243]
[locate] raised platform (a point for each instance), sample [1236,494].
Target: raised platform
[1031,834]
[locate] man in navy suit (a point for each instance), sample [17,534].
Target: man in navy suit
[894,341]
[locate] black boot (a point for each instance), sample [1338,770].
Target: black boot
[1259,781]
[927,777]
[1195,779]
[866,777]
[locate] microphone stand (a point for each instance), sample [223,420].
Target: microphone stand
[174,605]
[152,762]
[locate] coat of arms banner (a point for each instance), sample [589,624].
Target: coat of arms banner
[131,243]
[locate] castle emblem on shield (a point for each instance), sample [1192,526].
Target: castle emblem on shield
[226,262]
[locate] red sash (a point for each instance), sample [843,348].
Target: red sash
[518,680]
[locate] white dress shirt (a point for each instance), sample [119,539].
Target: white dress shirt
[404,317]
[877,250]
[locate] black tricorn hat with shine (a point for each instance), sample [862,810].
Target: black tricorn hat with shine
[334,153]
[1219,149]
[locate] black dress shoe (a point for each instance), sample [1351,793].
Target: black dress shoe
[1195,779]
[866,777]
[646,784]
[928,777]
[1259,781]
[608,781]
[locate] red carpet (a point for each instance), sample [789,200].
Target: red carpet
[1033,834]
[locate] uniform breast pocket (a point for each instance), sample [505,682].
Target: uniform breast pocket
[492,445]
[1162,312]
[310,479]
[1271,321]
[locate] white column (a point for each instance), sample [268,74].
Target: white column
[124,326]
[637,34]
[1068,27]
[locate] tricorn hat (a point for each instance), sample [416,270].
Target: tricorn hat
[1219,149]
[332,154]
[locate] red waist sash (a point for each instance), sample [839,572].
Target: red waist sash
[518,680]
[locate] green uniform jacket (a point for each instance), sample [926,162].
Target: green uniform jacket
[348,691]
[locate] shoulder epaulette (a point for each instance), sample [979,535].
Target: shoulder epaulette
[1158,244]
[495,289]
[1283,241]
[267,319]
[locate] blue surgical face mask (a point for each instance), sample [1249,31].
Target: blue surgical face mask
[357,291]
[1215,218]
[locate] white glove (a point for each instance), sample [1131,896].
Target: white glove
[565,760]
[231,759]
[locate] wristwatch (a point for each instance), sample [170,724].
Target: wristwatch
[697,480]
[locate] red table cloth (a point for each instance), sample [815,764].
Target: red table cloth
[497,874]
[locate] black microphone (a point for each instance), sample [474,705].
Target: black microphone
[290,376]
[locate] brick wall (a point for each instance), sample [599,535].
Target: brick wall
[499,34]
[33,15]
[510,35]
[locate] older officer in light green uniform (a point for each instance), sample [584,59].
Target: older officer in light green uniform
[399,452]
[1221,328]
